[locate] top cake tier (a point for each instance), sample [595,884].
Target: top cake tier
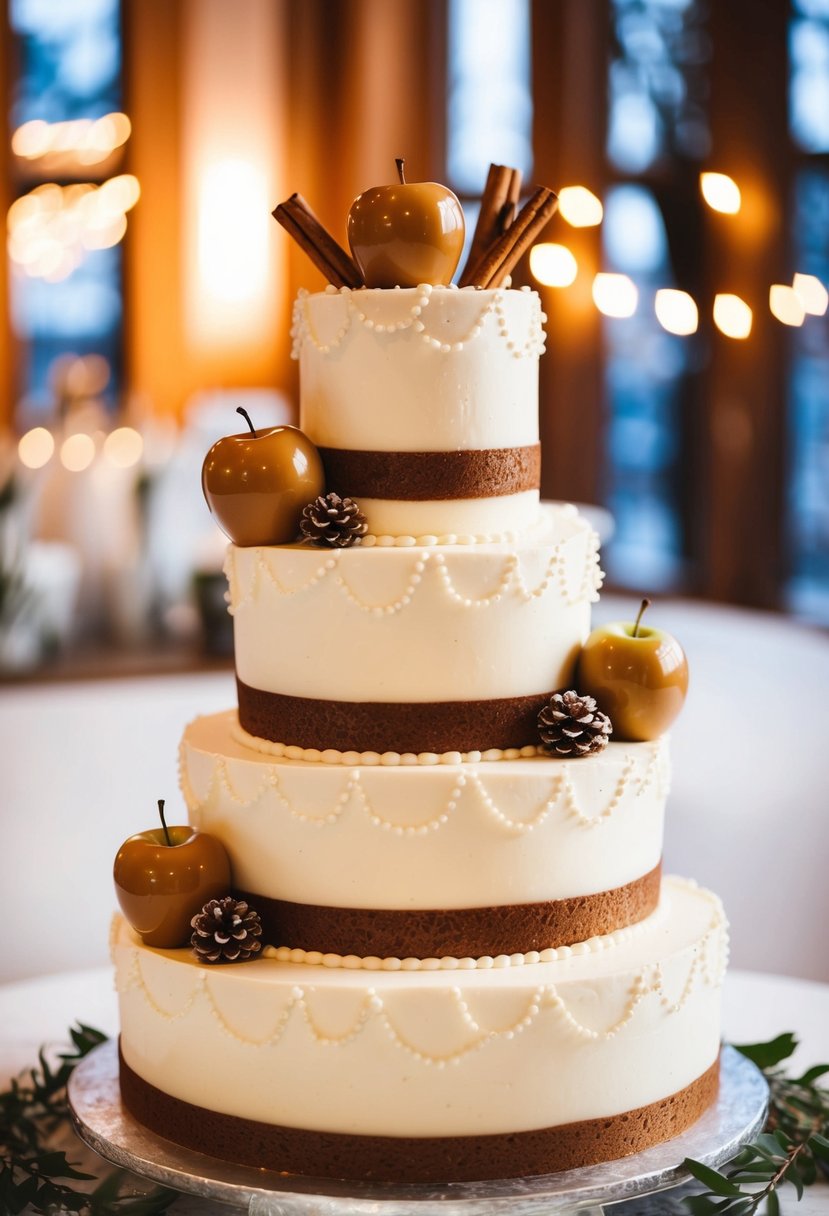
[424,403]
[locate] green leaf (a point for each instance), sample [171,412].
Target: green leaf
[741,1207]
[819,1146]
[767,1055]
[808,1169]
[792,1176]
[715,1182]
[767,1145]
[811,1075]
[704,1205]
[760,1173]
[772,1204]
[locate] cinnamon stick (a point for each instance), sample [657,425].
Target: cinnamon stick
[505,252]
[498,203]
[297,218]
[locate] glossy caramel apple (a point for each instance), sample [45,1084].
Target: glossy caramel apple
[406,234]
[638,676]
[164,876]
[257,483]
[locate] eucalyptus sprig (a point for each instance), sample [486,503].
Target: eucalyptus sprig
[33,1173]
[793,1148]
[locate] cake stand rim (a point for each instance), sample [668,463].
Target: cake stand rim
[103,1124]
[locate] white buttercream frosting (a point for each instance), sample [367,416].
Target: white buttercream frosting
[427,369]
[340,1050]
[469,622]
[442,836]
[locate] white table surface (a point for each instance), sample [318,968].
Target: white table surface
[83,765]
[756,1007]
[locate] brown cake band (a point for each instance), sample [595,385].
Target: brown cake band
[454,932]
[390,726]
[432,476]
[421,1159]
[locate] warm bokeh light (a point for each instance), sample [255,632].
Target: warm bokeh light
[615,295]
[580,206]
[676,311]
[123,447]
[786,304]
[813,295]
[732,316]
[36,447]
[87,141]
[553,265]
[77,452]
[720,192]
[119,194]
[233,210]
[51,228]
[104,233]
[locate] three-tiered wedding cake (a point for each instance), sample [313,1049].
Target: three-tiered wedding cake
[472,967]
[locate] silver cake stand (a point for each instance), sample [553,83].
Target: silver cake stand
[102,1122]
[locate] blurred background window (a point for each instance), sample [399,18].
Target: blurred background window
[684,391]
[489,96]
[808,380]
[67,220]
[656,339]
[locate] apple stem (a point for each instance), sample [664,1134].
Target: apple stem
[645,604]
[241,410]
[400,162]
[163,822]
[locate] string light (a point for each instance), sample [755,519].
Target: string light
[786,304]
[721,192]
[123,447]
[36,448]
[553,265]
[86,140]
[615,295]
[51,228]
[813,295]
[77,452]
[580,207]
[676,311]
[732,316]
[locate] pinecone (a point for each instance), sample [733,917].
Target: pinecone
[226,931]
[571,725]
[333,522]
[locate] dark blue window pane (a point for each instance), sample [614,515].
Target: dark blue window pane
[490,100]
[808,589]
[809,81]
[644,370]
[657,83]
[69,60]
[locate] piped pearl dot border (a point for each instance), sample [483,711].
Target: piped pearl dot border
[302,327]
[330,755]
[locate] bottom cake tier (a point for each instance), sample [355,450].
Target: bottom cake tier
[430,1075]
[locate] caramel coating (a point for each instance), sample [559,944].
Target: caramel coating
[256,485]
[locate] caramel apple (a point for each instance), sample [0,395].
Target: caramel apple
[257,483]
[164,876]
[406,234]
[637,674]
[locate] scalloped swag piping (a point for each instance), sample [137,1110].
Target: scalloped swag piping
[511,580]
[302,328]
[562,795]
[705,968]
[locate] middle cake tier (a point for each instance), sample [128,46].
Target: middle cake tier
[382,864]
[414,649]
